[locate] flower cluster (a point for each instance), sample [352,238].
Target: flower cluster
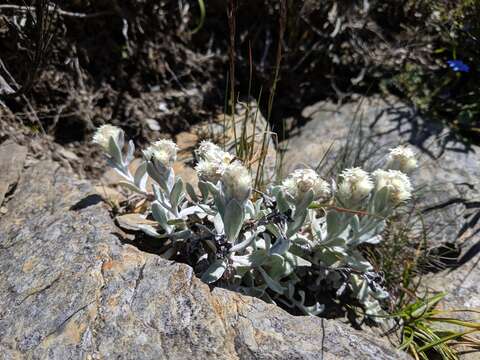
[397,183]
[164,151]
[402,158]
[355,185]
[213,161]
[298,183]
[288,243]
[104,133]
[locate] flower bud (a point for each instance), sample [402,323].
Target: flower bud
[236,182]
[104,133]
[401,158]
[298,183]
[397,182]
[164,151]
[355,185]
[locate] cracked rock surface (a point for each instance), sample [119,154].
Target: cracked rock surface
[69,289]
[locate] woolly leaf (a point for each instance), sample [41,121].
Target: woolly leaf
[233,219]
[214,271]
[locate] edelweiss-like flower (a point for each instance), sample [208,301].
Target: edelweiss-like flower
[355,185]
[301,181]
[396,181]
[213,161]
[104,133]
[236,182]
[401,158]
[211,152]
[209,170]
[164,151]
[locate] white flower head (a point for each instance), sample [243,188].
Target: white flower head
[105,132]
[298,183]
[209,170]
[211,152]
[213,161]
[402,158]
[164,151]
[355,185]
[397,183]
[236,182]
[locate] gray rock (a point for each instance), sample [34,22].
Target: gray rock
[70,289]
[12,158]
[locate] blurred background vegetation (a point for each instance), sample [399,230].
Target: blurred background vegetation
[67,67]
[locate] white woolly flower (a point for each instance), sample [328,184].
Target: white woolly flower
[164,151]
[301,181]
[236,182]
[104,133]
[209,170]
[402,158]
[397,183]
[355,185]
[211,152]
[213,161]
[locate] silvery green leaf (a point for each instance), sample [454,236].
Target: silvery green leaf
[258,257]
[177,193]
[218,223]
[370,239]
[160,216]
[114,151]
[359,287]
[303,202]
[296,261]
[150,230]
[241,261]
[233,219]
[267,241]
[120,140]
[272,284]
[203,189]
[171,179]
[355,225]
[250,209]
[278,268]
[130,152]
[191,192]
[157,193]
[131,187]
[281,245]
[156,175]
[357,262]
[380,200]
[313,310]
[297,222]
[282,203]
[242,245]
[218,197]
[337,224]
[190,211]
[214,271]
[140,178]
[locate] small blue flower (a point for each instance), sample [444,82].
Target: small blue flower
[458,66]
